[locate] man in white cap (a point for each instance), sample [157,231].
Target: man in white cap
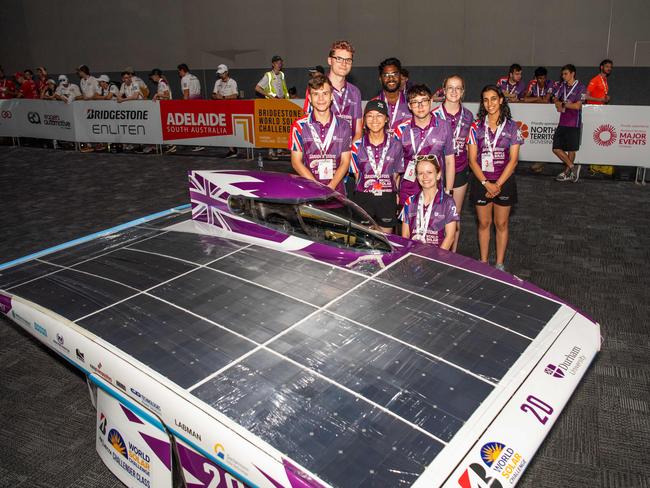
[107,90]
[225,88]
[66,92]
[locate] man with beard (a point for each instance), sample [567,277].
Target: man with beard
[598,89]
[512,86]
[390,77]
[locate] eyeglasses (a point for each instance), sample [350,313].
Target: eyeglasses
[454,89]
[341,60]
[427,157]
[420,103]
[392,74]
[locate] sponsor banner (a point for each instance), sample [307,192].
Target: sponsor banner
[537,123]
[132,122]
[135,451]
[208,122]
[45,119]
[616,135]
[8,126]
[273,119]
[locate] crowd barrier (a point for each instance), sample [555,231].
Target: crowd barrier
[611,134]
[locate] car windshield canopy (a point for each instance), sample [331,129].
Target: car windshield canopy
[334,221]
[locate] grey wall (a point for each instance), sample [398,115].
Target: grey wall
[475,37]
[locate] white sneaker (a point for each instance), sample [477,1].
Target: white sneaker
[575,173]
[198,149]
[564,175]
[170,150]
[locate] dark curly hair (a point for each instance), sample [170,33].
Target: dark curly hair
[505,108]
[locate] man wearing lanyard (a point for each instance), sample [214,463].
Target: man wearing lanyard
[320,142]
[540,88]
[598,89]
[346,97]
[390,76]
[512,86]
[422,135]
[566,140]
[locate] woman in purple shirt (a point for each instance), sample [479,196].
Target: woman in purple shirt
[493,150]
[430,216]
[377,161]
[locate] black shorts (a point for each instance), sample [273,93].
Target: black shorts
[506,198]
[461,178]
[566,138]
[382,208]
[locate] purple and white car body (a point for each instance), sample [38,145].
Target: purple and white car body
[265,337]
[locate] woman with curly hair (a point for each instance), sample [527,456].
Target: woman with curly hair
[493,150]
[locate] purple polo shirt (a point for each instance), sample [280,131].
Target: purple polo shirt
[443,212]
[301,139]
[518,88]
[346,103]
[465,118]
[571,117]
[534,89]
[393,163]
[397,112]
[438,140]
[509,136]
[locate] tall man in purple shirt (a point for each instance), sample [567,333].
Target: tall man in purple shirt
[513,86]
[421,135]
[320,142]
[566,140]
[390,77]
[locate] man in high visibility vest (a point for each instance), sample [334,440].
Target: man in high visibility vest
[272,85]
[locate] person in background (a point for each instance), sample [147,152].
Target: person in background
[41,79]
[163,92]
[144,89]
[405,83]
[225,88]
[461,120]
[293,92]
[106,90]
[129,90]
[27,87]
[87,83]
[273,84]
[320,141]
[66,92]
[49,89]
[191,89]
[438,95]
[421,135]
[566,140]
[377,161]
[390,77]
[540,89]
[7,87]
[315,71]
[430,216]
[598,88]
[513,86]
[493,148]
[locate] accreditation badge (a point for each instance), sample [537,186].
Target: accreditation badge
[325,168]
[487,162]
[409,174]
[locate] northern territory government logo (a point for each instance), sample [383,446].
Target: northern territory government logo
[570,364]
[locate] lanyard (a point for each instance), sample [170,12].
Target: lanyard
[323,146]
[423,218]
[393,115]
[458,126]
[492,145]
[605,84]
[537,88]
[416,152]
[567,95]
[339,110]
[377,166]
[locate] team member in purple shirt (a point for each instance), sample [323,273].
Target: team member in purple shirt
[493,149]
[512,86]
[320,142]
[377,161]
[346,98]
[390,76]
[421,135]
[540,89]
[430,216]
[460,119]
[566,140]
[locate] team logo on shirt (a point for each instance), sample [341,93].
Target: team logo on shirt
[605,135]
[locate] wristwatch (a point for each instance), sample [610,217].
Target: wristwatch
[483,182]
[449,192]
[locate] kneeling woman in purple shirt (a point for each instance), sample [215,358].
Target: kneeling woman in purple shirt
[377,160]
[493,150]
[430,216]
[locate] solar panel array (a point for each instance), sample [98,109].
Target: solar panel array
[360,378]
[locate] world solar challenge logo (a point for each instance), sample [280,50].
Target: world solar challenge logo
[117,442]
[503,461]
